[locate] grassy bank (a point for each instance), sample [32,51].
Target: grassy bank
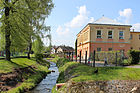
[82,72]
[30,80]
[76,72]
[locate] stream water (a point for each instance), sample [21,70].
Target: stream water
[46,85]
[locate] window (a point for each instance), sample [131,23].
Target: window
[109,34]
[110,49]
[131,36]
[121,35]
[99,49]
[98,33]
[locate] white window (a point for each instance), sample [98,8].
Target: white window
[109,34]
[99,34]
[121,35]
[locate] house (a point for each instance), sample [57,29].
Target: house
[64,49]
[53,49]
[135,40]
[104,34]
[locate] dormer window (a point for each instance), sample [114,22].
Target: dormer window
[99,34]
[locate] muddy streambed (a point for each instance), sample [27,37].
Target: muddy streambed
[46,85]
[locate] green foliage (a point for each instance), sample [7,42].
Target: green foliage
[55,59]
[126,62]
[38,45]
[61,62]
[110,55]
[24,22]
[2,41]
[134,56]
[39,57]
[48,49]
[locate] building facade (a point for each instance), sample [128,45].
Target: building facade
[103,35]
[135,40]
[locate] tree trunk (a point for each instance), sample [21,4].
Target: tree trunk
[7,31]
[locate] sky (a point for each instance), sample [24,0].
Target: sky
[69,17]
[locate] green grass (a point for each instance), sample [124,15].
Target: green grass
[55,59]
[6,66]
[86,73]
[31,80]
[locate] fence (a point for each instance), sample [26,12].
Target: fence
[112,58]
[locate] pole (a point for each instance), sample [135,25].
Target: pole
[80,57]
[72,56]
[116,58]
[94,58]
[86,58]
[69,55]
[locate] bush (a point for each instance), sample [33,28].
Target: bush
[52,55]
[134,56]
[62,61]
[38,57]
[110,55]
[126,62]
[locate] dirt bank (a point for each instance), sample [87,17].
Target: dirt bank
[13,79]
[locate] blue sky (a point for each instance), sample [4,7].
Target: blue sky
[69,16]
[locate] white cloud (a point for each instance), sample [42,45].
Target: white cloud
[79,20]
[91,20]
[66,33]
[125,15]
[136,27]
[62,31]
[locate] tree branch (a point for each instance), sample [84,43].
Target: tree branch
[15,2]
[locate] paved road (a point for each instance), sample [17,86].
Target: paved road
[135,66]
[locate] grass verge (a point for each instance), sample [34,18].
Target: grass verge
[30,80]
[76,72]
[80,72]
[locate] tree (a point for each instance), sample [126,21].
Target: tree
[38,45]
[76,49]
[19,20]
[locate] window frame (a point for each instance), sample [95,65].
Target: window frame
[110,35]
[97,36]
[100,49]
[131,36]
[110,48]
[121,37]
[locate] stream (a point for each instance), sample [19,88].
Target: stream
[46,85]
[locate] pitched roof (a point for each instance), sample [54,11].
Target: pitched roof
[107,21]
[66,48]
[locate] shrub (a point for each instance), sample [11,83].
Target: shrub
[134,56]
[38,57]
[62,61]
[126,62]
[111,56]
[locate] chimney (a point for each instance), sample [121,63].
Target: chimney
[133,30]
